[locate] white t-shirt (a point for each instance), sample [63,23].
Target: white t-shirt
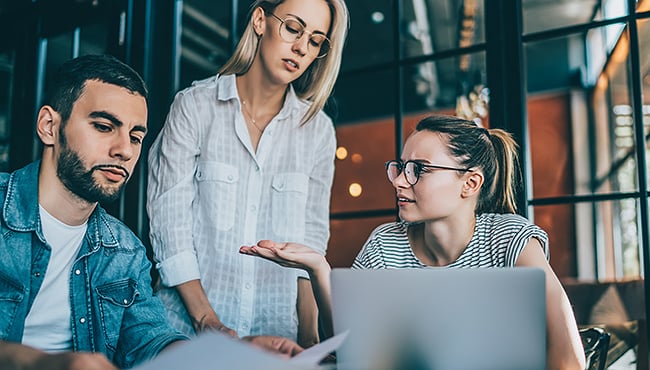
[47,325]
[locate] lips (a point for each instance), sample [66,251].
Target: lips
[114,173]
[402,199]
[291,64]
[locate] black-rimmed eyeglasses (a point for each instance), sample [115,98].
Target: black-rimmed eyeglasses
[413,170]
[291,30]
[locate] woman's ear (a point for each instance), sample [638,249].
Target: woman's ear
[48,124]
[259,21]
[473,183]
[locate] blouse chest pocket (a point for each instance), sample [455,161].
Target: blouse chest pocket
[11,295]
[217,189]
[114,299]
[289,205]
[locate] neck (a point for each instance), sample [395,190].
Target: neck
[57,200]
[441,243]
[261,97]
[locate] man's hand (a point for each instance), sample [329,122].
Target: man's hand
[283,346]
[74,361]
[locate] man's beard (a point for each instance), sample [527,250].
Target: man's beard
[74,176]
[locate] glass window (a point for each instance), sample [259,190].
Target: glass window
[360,182]
[348,236]
[93,39]
[644,49]
[370,40]
[205,38]
[547,15]
[362,96]
[433,26]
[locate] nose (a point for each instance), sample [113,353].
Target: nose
[300,45]
[399,182]
[121,147]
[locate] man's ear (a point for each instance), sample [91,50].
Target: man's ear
[48,124]
[259,21]
[473,183]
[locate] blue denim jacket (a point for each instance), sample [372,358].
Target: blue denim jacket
[113,309]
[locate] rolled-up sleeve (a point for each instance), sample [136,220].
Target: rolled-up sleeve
[320,186]
[171,191]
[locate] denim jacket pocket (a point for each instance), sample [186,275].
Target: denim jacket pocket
[11,295]
[114,299]
[217,186]
[289,205]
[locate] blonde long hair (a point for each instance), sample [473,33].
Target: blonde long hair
[316,83]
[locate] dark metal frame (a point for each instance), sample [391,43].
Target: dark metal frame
[505,73]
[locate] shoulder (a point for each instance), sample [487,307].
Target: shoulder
[114,232]
[301,107]
[509,234]
[204,88]
[4,185]
[4,181]
[502,222]
[389,230]
[387,235]
[504,227]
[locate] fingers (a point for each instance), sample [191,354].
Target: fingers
[268,244]
[248,250]
[289,347]
[226,330]
[275,344]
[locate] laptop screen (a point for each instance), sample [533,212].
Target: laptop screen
[440,318]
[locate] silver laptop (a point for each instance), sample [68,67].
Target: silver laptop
[440,318]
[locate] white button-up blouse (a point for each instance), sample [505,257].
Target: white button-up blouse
[209,193]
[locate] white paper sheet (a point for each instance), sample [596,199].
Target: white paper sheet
[216,351]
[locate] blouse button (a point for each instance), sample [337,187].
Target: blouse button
[37,274]
[77,272]
[229,177]
[82,320]
[125,301]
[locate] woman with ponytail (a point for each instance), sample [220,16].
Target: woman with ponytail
[455,186]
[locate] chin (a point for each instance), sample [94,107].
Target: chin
[405,217]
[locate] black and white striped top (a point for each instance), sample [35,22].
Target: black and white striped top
[497,242]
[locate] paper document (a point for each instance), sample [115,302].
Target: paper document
[313,355]
[216,351]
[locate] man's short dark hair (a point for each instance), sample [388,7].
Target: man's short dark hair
[67,84]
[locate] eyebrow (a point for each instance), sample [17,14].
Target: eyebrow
[115,120]
[305,24]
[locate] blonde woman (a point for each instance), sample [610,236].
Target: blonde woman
[248,155]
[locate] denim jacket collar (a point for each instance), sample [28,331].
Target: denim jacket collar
[21,211]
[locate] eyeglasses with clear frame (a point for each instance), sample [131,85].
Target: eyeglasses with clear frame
[413,170]
[292,29]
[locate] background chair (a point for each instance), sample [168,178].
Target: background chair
[596,344]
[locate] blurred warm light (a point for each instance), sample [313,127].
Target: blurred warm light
[356,158]
[622,109]
[355,189]
[341,153]
[377,17]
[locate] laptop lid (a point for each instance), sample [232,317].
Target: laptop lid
[440,318]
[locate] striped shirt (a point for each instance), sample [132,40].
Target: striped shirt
[497,242]
[210,193]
